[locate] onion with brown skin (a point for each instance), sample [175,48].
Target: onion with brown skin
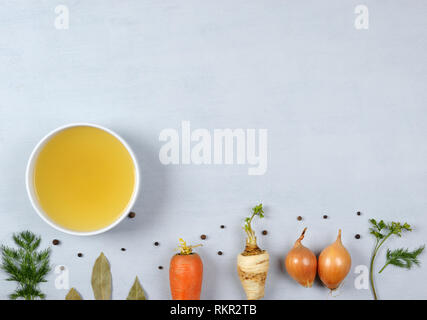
[334,264]
[301,263]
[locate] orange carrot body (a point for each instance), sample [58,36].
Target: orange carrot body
[185,276]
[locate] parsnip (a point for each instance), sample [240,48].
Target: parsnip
[252,263]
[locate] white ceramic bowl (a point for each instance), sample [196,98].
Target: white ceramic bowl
[30,183]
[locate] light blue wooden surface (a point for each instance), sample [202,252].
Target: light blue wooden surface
[345,111]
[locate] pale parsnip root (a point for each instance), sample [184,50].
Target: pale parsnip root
[252,263]
[252,271]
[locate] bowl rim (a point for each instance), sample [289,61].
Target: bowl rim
[30,186]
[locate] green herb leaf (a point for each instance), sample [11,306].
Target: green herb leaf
[136,292]
[73,295]
[256,211]
[101,278]
[403,258]
[26,266]
[400,257]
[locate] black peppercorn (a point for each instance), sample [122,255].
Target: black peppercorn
[55,242]
[156,244]
[79,255]
[299,218]
[203,237]
[123,249]
[357,236]
[160,267]
[131,215]
[220,253]
[325,217]
[265,232]
[222,226]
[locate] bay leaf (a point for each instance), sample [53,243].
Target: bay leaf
[101,278]
[73,295]
[136,292]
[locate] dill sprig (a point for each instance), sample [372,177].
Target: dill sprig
[402,258]
[26,266]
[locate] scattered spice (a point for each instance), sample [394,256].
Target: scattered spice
[160,267]
[357,236]
[265,232]
[62,268]
[55,242]
[131,215]
[156,244]
[203,237]
[136,292]
[222,226]
[220,253]
[101,278]
[359,213]
[325,217]
[73,295]
[101,282]
[299,218]
[123,249]
[79,254]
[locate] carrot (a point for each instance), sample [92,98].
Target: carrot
[252,263]
[186,273]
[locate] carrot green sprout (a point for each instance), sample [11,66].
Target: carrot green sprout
[185,249]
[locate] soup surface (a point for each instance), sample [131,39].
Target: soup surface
[84,178]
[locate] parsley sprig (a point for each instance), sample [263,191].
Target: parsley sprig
[256,211]
[402,258]
[26,266]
